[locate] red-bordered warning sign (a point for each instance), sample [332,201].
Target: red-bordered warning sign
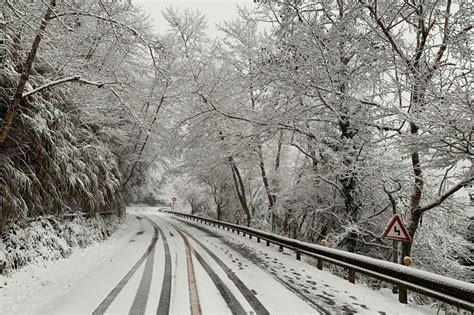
[396,230]
[238,213]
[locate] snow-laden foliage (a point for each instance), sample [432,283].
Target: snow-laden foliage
[48,238]
[442,247]
[81,85]
[69,167]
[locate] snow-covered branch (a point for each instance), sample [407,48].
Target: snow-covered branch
[64,80]
[151,48]
[447,194]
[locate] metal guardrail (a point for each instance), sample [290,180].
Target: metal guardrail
[451,291]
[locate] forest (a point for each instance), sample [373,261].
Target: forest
[318,119]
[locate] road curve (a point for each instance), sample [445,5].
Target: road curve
[177,269]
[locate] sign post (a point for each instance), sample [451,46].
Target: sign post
[396,231]
[173,200]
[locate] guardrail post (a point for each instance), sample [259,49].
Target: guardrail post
[320,264]
[352,276]
[402,294]
[281,248]
[238,232]
[298,255]
[268,243]
[243,233]
[446,309]
[258,239]
[250,236]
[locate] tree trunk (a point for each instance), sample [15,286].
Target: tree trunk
[265,178]
[240,189]
[349,182]
[219,212]
[12,110]
[275,180]
[348,133]
[416,103]
[415,210]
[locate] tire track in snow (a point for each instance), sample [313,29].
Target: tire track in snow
[249,296]
[116,290]
[259,264]
[165,295]
[225,292]
[141,296]
[192,285]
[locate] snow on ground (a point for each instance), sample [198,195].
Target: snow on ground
[28,290]
[321,287]
[281,283]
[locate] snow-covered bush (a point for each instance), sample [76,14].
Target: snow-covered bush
[441,247]
[47,238]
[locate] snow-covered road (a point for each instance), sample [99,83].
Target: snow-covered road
[175,266]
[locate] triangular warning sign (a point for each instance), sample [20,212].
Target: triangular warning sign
[396,230]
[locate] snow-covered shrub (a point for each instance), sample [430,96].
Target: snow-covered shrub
[440,245]
[39,240]
[47,238]
[82,232]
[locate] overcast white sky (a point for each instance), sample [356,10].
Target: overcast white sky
[215,10]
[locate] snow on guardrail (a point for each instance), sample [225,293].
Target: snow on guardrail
[445,289]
